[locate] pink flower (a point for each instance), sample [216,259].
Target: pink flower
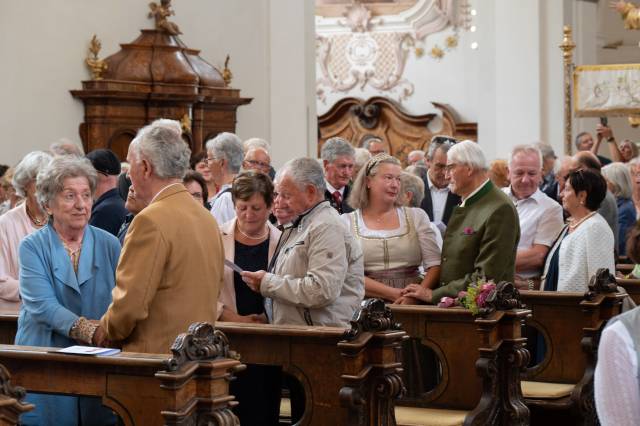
[469,231]
[488,286]
[446,302]
[482,298]
[462,294]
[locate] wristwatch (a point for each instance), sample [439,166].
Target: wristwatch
[611,139]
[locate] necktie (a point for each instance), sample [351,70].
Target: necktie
[337,197]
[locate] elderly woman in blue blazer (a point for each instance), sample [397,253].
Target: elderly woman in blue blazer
[67,272]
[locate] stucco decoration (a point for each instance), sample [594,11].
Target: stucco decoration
[359,49]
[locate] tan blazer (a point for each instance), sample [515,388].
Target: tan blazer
[169,274]
[227,293]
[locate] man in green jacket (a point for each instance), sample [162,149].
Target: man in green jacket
[483,231]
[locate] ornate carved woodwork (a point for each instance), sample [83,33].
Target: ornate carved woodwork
[481,359]
[354,119]
[571,325]
[139,387]
[155,76]
[352,381]
[11,400]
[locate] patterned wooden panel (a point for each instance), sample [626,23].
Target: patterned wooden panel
[353,119]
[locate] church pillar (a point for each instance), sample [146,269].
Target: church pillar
[293,123]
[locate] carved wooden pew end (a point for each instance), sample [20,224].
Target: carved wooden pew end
[571,324]
[481,359]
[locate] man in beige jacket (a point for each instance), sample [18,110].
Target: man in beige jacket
[317,274]
[170,270]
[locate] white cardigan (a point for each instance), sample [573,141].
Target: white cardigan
[583,252]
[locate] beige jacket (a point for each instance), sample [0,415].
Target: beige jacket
[169,274]
[227,297]
[318,267]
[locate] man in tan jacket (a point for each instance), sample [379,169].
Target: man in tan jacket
[317,274]
[170,270]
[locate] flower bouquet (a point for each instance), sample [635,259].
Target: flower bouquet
[474,299]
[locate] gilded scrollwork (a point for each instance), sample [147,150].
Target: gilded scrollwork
[161,13]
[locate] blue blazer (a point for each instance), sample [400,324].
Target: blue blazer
[53,298]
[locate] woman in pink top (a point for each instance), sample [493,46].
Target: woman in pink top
[19,222]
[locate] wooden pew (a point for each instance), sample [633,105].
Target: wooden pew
[481,361]
[11,400]
[571,324]
[632,286]
[350,377]
[8,325]
[188,387]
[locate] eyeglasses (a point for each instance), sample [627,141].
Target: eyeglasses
[260,164]
[208,160]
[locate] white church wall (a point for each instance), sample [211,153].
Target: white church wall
[43,45]
[511,84]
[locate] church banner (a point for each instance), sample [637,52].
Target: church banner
[610,90]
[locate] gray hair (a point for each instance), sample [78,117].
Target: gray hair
[435,145]
[620,177]
[359,195]
[50,180]
[66,147]
[413,184]
[361,156]
[469,153]
[419,170]
[304,171]
[227,146]
[525,149]
[416,151]
[27,170]
[368,139]
[336,147]
[256,143]
[545,149]
[578,137]
[160,144]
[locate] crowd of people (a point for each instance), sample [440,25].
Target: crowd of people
[128,254]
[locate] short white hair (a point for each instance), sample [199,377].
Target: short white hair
[252,143]
[161,145]
[529,149]
[27,170]
[620,177]
[413,184]
[361,156]
[227,146]
[304,171]
[336,147]
[417,151]
[469,153]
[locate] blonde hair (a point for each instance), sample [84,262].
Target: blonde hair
[359,196]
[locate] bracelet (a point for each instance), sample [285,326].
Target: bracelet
[611,139]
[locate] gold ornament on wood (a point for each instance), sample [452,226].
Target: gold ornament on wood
[436,52]
[185,123]
[226,73]
[161,13]
[96,66]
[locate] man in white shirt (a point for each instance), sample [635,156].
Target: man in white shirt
[540,216]
[224,158]
[338,160]
[438,200]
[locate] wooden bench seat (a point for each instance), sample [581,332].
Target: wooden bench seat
[480,358]
[350,377]
[570,324]
[632,287]
[143,389]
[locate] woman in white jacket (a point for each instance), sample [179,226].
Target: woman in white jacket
[586,243]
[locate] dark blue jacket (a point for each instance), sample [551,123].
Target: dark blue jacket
[108,212]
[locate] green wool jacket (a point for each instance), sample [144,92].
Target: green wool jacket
[481,241]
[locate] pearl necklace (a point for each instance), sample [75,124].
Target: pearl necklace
[573,226]
[263,236]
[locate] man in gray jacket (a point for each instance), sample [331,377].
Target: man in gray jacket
[316,276]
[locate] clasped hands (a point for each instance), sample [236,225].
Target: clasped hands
[412,293]
[253,279]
